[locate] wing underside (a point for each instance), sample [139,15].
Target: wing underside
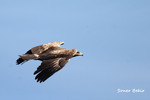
[48,68]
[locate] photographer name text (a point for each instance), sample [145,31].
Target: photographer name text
[130,90]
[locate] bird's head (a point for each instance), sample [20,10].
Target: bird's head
[78,54]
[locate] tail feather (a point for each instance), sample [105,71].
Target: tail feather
[26,57]
[19,61]
[29,56]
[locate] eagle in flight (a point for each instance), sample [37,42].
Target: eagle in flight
[53,58]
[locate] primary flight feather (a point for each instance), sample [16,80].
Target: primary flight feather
[53,58]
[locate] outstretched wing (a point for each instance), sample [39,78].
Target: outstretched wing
[39,49]
[49,67]
[44,47]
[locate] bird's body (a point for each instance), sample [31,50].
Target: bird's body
[53,58]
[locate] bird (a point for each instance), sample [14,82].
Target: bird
[53,58]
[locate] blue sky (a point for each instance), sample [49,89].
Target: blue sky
[114,37]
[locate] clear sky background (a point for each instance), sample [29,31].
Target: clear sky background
[113,35]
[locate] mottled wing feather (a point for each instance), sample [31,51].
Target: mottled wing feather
[44,47]
[46,64]
[49,67]
[39,49]
[53,52]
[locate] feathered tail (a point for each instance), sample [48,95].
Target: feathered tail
[20,61]
[27,57]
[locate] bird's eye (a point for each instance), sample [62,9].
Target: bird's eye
[78,52]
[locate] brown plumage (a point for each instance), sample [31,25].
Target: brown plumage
[53,58]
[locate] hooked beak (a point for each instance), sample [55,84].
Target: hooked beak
[80,54]
[62,43]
